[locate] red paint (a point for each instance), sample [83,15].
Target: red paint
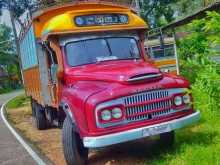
[85,87]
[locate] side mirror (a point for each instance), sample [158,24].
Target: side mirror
[150,60]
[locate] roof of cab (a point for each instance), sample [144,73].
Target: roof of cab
[60,20]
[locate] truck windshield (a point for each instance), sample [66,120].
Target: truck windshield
[101,49]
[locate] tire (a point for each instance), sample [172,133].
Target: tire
[33,108]
[167,139]
[40,118]
[74,151]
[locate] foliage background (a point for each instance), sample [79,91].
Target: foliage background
[199,53]
[8,61]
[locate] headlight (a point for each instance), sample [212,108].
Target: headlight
[186,99]
[117,113]
[106,115]
[178,100]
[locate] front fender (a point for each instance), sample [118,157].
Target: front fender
[73,103]
[78,119]
[66,108]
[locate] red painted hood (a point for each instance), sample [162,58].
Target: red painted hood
[112,71]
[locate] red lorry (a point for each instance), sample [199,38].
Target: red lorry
[85,69]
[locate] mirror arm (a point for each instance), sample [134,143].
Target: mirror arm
[46,46]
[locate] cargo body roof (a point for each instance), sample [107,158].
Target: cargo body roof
[60,20]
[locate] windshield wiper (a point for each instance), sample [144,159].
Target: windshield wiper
[109,48]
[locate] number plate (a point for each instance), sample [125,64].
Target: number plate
[156,130]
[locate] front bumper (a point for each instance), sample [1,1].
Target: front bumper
[138,133]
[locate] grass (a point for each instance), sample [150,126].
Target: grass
[196,145]
[18,102]
[199,144]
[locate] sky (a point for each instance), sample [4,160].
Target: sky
[5,19]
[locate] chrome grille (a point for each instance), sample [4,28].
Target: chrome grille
[148,105]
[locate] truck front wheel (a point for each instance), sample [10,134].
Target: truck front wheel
[167,139]
[74,151]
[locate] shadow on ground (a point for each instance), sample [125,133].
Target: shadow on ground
[146,150]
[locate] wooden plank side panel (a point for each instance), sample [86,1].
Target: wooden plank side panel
[32,83]
[167,63]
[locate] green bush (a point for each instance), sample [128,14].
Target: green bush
[5,90]
[196,52]
[198,47]
[190,69]
[206,89]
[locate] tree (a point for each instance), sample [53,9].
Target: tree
[16,8]
[158,12]
[161,12]
[7,50]
[8,58]
[184,8]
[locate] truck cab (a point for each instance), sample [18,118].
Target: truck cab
[85,69]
